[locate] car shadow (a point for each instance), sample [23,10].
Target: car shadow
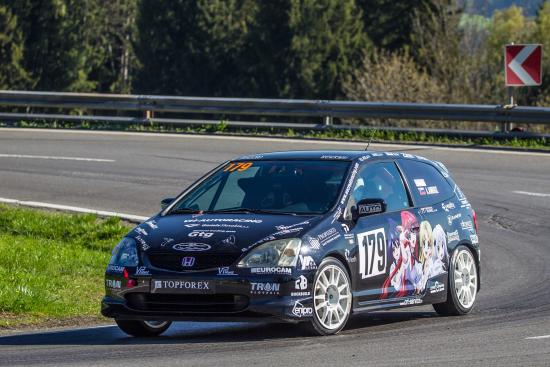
[203,332]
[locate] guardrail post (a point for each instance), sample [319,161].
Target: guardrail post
[327,120]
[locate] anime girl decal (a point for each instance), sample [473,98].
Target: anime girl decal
[441,256]
[405,270]
[426,255]
[409,233]
[396,281]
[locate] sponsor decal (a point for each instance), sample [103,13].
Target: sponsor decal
[223,226]
[307,263]
[287,231]
[432,190]
[191,247]
[201,234]
[152,224]
[350,237]
[314,243]
[114,284]
[419,182]
[422,158]
[252,157]
[474,239]
[141,231]
[223,220]
[350,183]
[411,301]
[377,154]
[451,218]
[225,271]
[334,157]
[265,239]
[264,288]
[407,155]
[372,253]
[203,285]
[370,208]
[345,228]
[274,270]
[452,236]
[364,158]
[328,236]
[165,241]
[463,201]
[144,245]
[115,268]
[467,225]
[229,240]
[188,261]
[422,191]
[192,225]
[337,215]
[442,166]
[142,270]
[349,258]
[448,206]
[300,310]
[437,287]
[301,283]
[282,228]
[392,154]
[427,210]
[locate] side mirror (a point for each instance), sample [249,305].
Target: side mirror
[368,207]
[165,202]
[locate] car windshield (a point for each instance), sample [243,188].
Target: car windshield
[279,187]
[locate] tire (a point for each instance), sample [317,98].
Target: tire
[462,284]
[143,328]
[332,298]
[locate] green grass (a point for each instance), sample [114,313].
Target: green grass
[52,265]
[362,135]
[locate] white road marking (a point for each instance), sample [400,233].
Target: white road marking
[538,337]
[361,145]
[75,209]
[55,158]
[531,193]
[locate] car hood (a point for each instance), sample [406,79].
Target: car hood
[217,233]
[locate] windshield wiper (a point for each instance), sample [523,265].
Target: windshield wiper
[183,211]
[248,210]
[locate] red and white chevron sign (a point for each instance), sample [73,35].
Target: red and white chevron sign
[523,65]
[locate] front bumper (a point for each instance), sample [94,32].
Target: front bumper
[238,297]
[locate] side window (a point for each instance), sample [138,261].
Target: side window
[427,185]
[382,181]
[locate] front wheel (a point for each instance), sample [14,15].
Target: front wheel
[462,285]
[331,298]
[143,328]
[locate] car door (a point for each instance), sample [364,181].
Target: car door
[432,194]
[385,240]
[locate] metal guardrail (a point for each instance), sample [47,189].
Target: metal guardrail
[262,107]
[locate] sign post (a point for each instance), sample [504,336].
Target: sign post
[522,68]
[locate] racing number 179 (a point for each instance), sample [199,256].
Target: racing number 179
[372,253]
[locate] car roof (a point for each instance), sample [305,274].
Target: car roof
[343,155]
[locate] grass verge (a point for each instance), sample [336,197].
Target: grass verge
[52,266]
[360,135]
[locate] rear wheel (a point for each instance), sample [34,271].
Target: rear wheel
[331,298]
[462,285]
[143,328]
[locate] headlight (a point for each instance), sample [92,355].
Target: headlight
[274,253]
[125,253]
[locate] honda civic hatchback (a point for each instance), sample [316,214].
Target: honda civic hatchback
[299,236]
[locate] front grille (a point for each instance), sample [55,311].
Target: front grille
[182,303]
[173,261]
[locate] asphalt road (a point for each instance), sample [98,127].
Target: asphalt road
[131,172]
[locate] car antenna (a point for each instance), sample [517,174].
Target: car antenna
[370,139]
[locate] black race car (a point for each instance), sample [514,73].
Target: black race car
[309,236]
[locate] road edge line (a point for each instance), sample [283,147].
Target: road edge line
[74,209]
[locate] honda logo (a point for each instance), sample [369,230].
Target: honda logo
[188,261]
